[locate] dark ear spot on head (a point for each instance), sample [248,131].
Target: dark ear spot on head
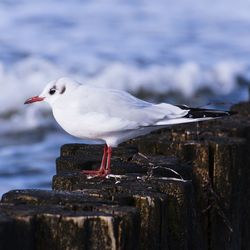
[63,90]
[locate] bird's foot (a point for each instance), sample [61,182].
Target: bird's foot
[96,173]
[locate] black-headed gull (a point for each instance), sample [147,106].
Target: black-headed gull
[112,116]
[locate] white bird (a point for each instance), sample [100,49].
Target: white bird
[112,116]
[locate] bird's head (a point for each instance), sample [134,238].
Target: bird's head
[54,90]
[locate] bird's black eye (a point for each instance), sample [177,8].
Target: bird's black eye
[52,91]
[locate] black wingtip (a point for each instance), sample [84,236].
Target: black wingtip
[205,113]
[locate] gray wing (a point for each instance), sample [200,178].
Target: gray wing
[122,107]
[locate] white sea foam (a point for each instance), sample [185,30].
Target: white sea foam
[186,79]
[23,80]
[28,77]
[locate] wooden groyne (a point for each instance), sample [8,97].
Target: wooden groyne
[181,188]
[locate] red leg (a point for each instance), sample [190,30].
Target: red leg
[108,169]
[101,170]
[104,157]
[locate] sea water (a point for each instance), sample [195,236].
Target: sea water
[188,51]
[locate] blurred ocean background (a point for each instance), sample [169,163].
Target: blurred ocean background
[189,51]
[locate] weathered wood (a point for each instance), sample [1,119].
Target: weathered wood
[227,167]
[166,207]
[37,221]
[76,157]
[157,207]
[209,170]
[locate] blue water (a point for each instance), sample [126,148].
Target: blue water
[188,51]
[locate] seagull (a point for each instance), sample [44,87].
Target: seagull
[112,116]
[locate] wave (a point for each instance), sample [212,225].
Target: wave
[28,77]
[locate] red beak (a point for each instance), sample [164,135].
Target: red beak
[34,99]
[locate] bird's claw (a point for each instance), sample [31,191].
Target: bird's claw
[96,173]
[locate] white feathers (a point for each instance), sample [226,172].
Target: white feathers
[108,115]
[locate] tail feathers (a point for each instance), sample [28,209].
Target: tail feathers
[204,113]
